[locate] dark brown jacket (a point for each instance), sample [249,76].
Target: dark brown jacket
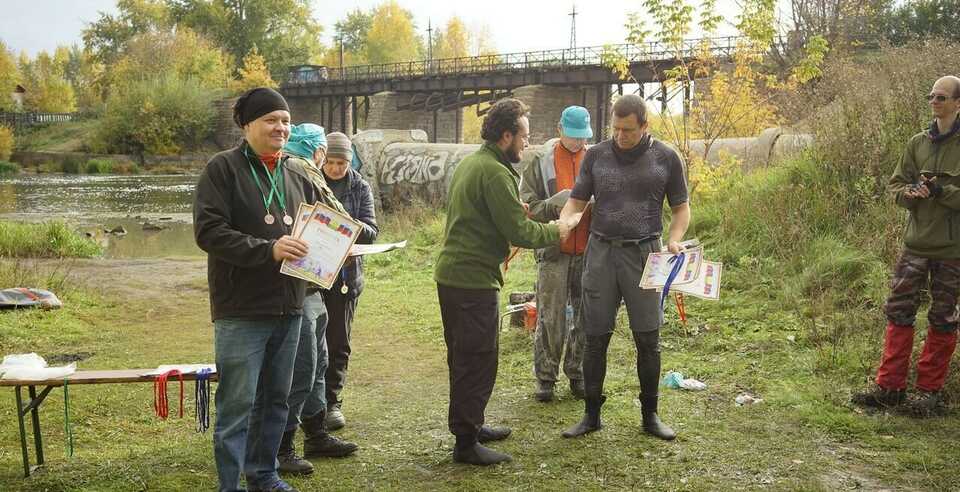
[245,281]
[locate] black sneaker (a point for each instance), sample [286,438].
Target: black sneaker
[280,486]
[327,446]
[479,455]
[879,397]
[488,433]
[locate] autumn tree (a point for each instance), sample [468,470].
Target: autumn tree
[108,36]
[86,75]
[46,85]
[9,78]
[453,41]
[284,31]
[392,36]
[183,53]
[253,73]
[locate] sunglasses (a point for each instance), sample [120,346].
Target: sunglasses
[938,97]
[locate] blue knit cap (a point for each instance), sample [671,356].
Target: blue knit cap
[305,139]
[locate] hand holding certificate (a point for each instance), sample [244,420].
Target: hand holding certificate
[330,235]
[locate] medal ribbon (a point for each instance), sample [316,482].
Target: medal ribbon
[202,395]
[273,179]
[677,261]
[160,403]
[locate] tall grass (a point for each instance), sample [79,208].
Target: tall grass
[52,239]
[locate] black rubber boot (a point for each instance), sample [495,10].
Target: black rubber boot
[468,451]
[594,372]
[290,463]
[318,443]
[591,418]
[648,372]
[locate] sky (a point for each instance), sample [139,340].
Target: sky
[515,26]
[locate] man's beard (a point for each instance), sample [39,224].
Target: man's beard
[513,155]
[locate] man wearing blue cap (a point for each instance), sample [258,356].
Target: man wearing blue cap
[545,186]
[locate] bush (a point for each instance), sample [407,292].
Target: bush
[868,120]
[73,165]
[47,240]
[9,167]
[159,116]
[99,166]
[6,143]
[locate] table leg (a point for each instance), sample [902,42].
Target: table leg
[23,433]
[35,417]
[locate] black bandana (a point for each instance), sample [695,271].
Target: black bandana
[933,133]
[256,103]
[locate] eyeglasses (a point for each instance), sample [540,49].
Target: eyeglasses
[938,97]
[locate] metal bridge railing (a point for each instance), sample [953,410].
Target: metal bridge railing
[515,62]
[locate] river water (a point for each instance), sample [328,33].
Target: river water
[94,204]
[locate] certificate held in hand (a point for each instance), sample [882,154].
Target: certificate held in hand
[330,235]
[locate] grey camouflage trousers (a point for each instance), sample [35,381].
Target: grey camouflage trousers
[913,273]
[558,280]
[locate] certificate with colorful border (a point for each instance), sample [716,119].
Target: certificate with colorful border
[329,236]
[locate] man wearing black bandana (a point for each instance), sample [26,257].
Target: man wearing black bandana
[242,216]
[629,176]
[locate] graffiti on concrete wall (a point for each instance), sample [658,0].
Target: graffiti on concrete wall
[418,165]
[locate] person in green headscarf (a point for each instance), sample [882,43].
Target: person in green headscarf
[309,143]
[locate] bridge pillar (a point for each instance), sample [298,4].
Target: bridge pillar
[440,126]
[547,102]
[334,114]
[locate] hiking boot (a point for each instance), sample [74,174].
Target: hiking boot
[927,404]
[318,443]
[577,389]
[544,391]
[591,418]
[335,419]
[488,433]
[653,426]
[290,463]
[879,397]
[478,454]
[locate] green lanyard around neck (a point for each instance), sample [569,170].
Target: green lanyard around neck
[276,184]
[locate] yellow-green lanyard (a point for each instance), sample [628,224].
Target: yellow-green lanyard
[276,177]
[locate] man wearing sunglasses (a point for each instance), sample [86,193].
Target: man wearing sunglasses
[927,183]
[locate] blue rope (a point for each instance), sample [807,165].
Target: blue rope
[202,395]
[677,261]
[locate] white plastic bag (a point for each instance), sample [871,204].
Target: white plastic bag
[32,367]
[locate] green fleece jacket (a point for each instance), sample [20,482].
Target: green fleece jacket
[933,229]
[484,217]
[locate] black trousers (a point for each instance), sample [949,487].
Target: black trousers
[471,335]
[340,311]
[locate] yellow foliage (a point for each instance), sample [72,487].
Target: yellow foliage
[254,73]
[708,179]
[732,106]
[392,37]
[453,41]
[183,53]
[472,125]
[6,143]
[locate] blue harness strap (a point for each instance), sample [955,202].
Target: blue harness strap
[677,261]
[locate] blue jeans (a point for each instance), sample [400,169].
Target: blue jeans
[308,393]
[255,369]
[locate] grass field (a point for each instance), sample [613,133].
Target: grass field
[802,436]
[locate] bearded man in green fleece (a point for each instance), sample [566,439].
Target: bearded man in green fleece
[484,217]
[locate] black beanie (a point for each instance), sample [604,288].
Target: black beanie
[256,103]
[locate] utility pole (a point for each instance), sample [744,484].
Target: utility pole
[573,27]
[429,40]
